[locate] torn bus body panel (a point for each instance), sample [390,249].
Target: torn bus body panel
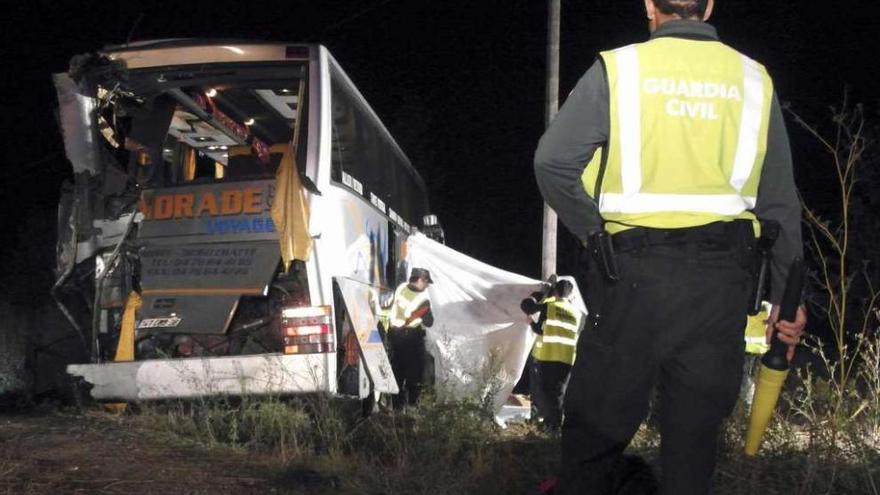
[76,111]
[365,325]
[179,148]
[83,219]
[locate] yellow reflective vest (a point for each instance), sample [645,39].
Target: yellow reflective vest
[406,301]
[559,340]
[756,332]
[688,135]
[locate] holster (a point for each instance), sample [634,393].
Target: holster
[602,249]
[761,280]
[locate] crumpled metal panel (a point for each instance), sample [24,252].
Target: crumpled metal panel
[357,296]
[76,115]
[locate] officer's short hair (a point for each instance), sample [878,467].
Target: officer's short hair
[685,9]
[563,288]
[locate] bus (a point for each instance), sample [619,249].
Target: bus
[186,155]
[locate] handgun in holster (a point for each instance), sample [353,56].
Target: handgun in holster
[603,252]
[769,233]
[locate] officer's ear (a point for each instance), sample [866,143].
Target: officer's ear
[650,9]
[709,7]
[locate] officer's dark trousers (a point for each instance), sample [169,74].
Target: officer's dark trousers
[547,381]
[676,319]
[407,346]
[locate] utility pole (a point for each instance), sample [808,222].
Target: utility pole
[548,258]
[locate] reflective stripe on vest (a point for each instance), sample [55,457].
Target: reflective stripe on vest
[538,346]
[560,329]
[406,301]
[756,345]
[688,134]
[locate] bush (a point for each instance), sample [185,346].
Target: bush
[12,352]
[825,437]
[289,428]
[437,447]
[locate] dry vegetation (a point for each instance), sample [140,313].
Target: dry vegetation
[320,446]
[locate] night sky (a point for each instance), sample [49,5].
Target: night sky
[460,84]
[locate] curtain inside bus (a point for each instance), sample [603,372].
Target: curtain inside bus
[290,212]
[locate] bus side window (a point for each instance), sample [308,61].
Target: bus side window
[344,133]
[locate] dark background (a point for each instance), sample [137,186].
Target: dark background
[460,84]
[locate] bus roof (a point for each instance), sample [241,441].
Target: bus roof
[187,51]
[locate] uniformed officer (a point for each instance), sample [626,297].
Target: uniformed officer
[553,352]
[684,145]
[410,314]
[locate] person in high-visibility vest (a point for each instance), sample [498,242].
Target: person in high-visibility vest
[410,314]
[756,331]
[553,353]
[661,161]
[755,345]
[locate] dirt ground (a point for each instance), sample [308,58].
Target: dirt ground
[95,452]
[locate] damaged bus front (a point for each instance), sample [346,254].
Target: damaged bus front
[238,212]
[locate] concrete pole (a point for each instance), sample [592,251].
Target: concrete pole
[548,258]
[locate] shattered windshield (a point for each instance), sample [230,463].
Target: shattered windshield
[225,122]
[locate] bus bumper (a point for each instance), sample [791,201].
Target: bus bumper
[260,374]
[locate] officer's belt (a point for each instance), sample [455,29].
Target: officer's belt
[718,233]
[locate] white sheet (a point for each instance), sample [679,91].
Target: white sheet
[480,339]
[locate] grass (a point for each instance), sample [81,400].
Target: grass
[454,447]
[437,447]
[12,351]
